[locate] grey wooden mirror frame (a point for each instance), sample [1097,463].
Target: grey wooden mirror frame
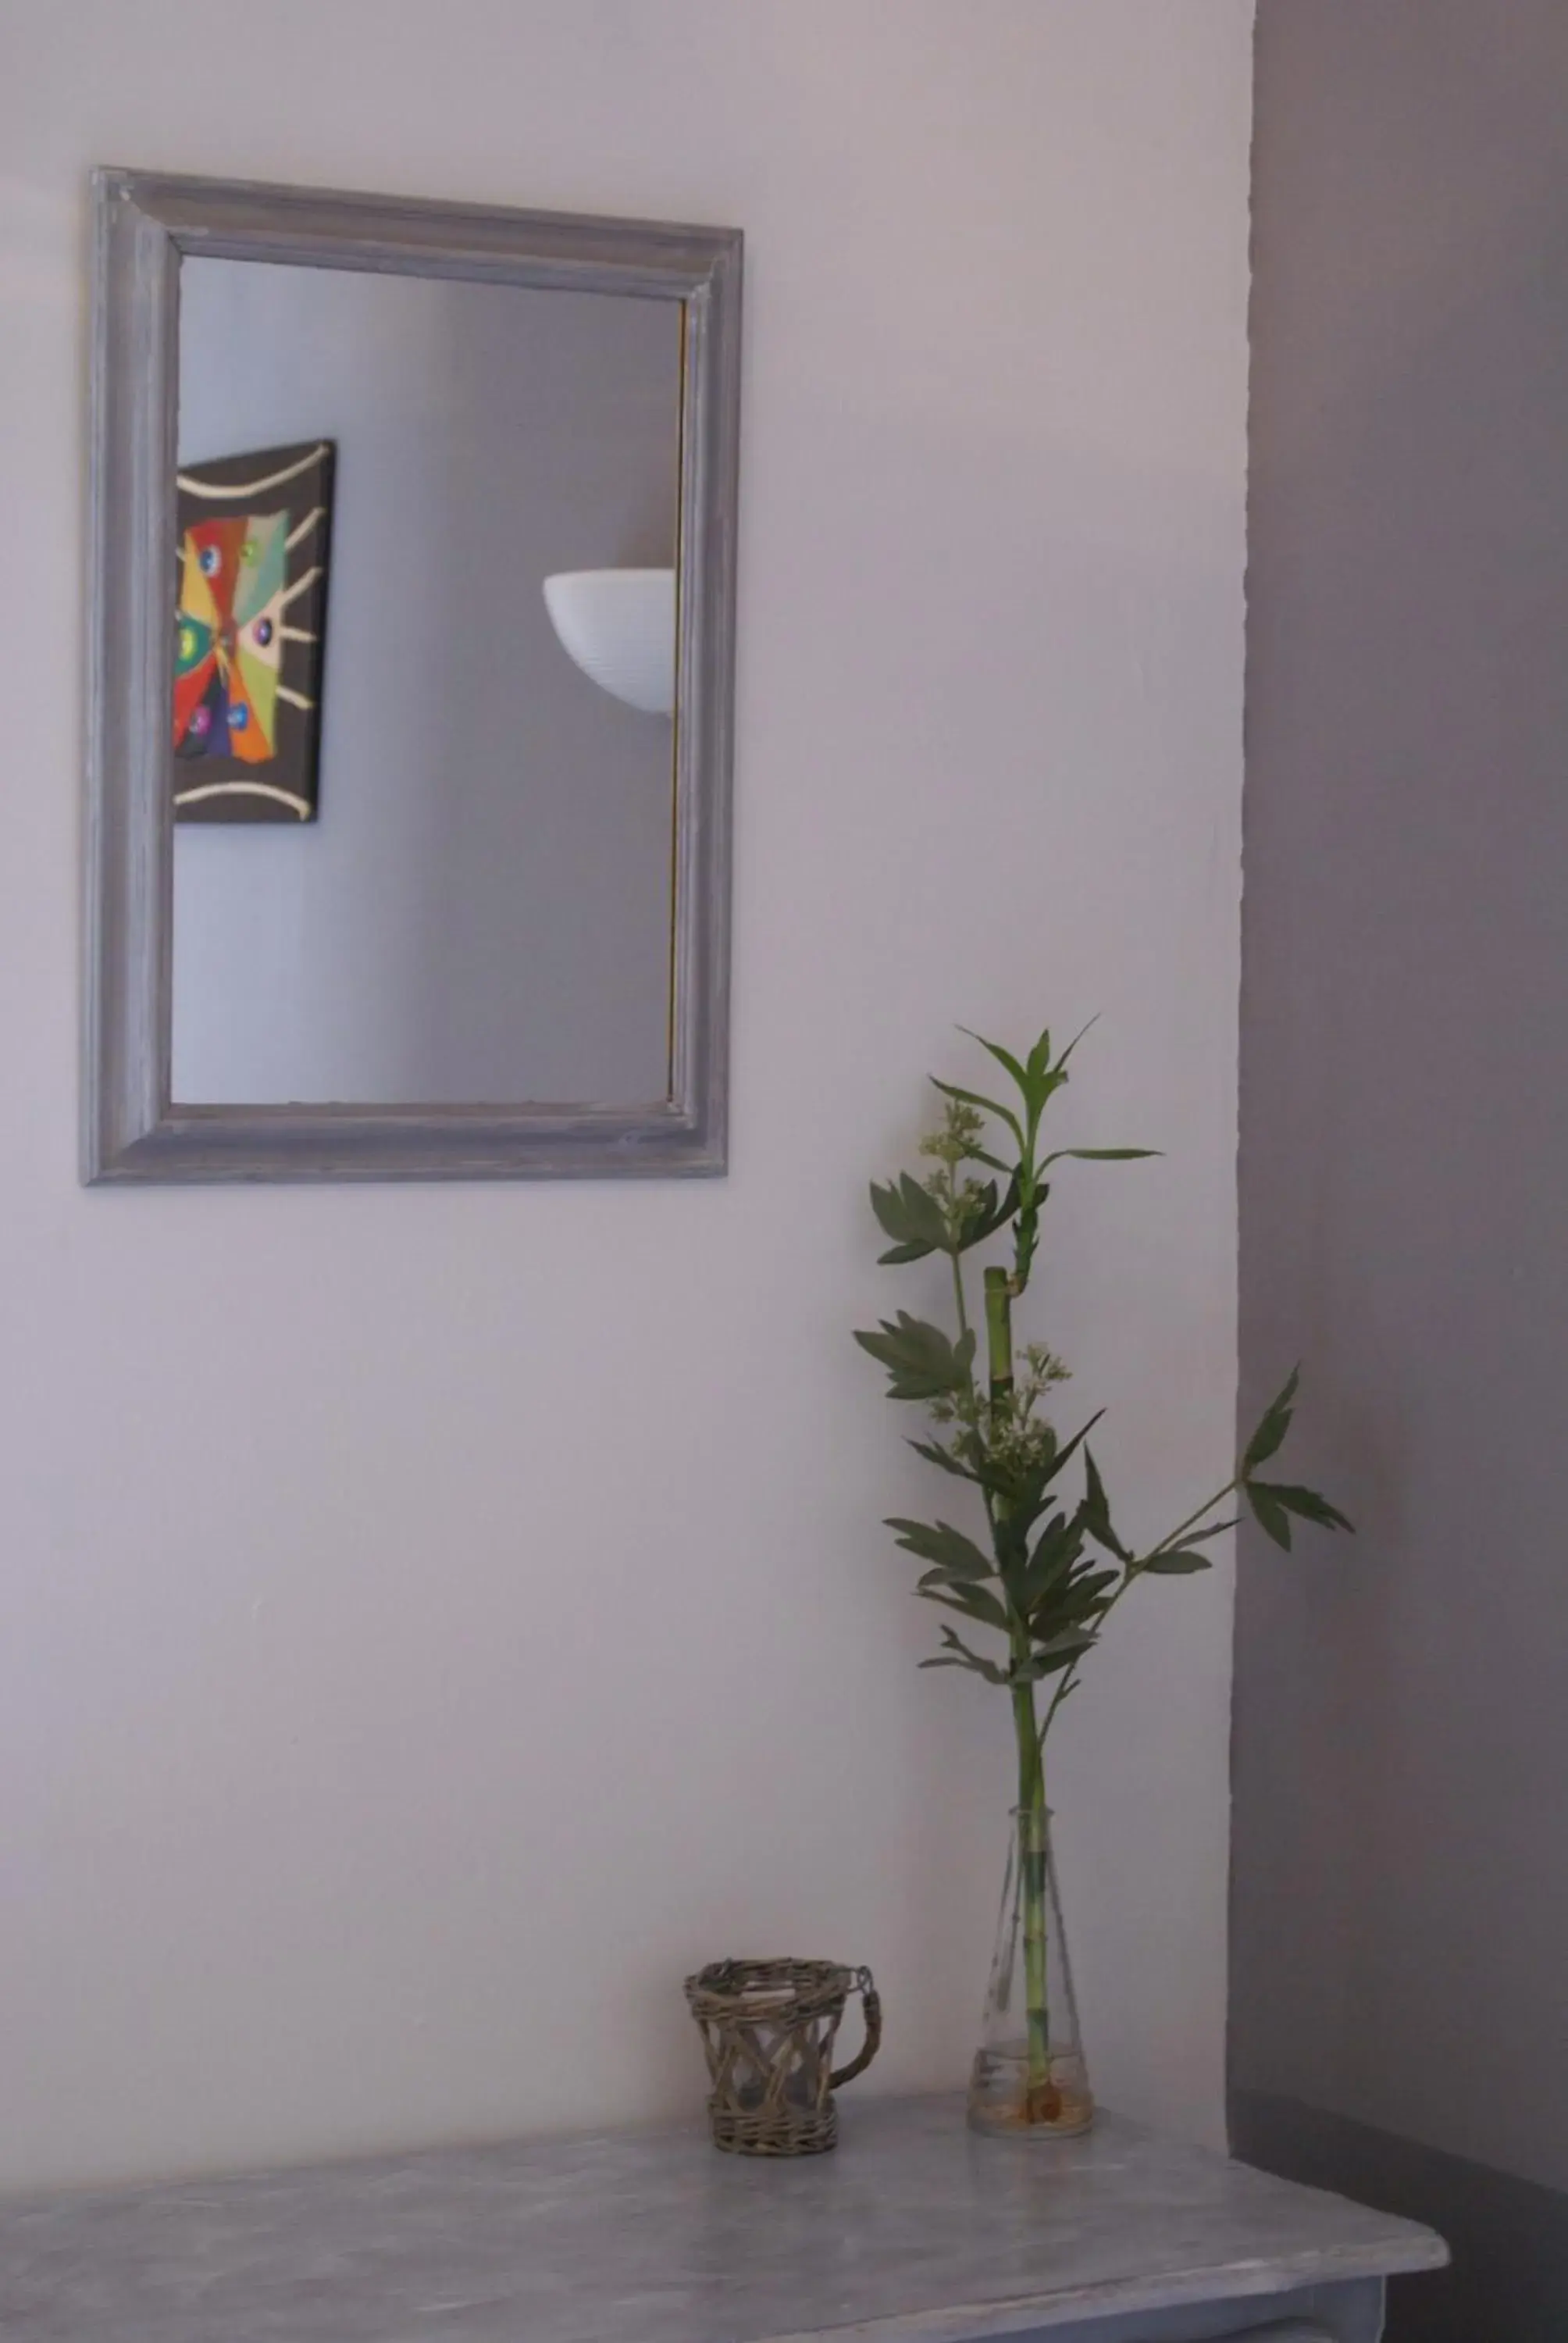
[132,1131]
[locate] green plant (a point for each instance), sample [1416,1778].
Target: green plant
[1052,1570]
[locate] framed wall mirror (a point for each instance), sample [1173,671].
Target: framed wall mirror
[412,617]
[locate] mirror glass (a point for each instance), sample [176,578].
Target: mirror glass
[420,853]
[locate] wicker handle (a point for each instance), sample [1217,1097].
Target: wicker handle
[871,2010]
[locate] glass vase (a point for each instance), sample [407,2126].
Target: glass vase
[1030,2080]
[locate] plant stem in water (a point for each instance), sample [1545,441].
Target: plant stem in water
[1042,2101]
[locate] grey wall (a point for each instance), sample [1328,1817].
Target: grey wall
[482,910]
[1400,2011]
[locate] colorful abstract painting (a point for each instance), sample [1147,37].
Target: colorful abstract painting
[248,635]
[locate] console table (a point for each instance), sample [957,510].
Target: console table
[913,2231]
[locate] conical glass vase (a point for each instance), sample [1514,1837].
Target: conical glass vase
[1030,2080]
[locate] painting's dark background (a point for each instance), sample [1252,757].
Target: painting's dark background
[298,731]
[1400,2000]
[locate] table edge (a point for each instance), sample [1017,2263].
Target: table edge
[1414,2249]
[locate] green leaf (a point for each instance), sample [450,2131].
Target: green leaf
[974,1603]
[1178,1562]
[1083,1595]
[958,1654]
[1056,1551]
[986,1105]
[1064,1454]
[995,1216]
[1055,1538]
[957,1575]
[926,1219]
[1067,1645]
[1039,1056]
[1035,1082]
[1012,1550]
[1021,1494]
[1050,1658]
[948,1548]
[1214,1530]
[1077,1038]
[1097,1510]
[1270,1433]
[885,1204]
[922,1363]
[1269,1514]
[1307,1502]
[1100,1155]
[912,1216]
[1018,1496]
[934,1453]
[1043,1087]
[1004,1058]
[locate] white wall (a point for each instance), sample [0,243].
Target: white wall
[432,1619]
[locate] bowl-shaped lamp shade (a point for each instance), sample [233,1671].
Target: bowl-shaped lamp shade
[619,625]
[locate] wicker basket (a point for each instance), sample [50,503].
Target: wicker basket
[769,2028]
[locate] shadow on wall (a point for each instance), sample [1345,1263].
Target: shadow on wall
[1509,2238]
[1400,1927]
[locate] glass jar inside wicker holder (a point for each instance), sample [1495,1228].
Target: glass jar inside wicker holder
[769,2029]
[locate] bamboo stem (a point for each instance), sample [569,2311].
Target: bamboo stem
[998,1335]
[958,1295]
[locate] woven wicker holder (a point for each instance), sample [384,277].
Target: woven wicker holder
[769,2029]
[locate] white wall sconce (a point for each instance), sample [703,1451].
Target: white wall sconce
[619,625]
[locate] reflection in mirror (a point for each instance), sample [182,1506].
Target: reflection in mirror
[420,854]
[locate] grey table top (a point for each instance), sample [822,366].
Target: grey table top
[914,2231]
